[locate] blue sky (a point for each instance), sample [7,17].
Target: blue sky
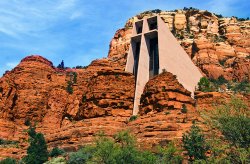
[79,31]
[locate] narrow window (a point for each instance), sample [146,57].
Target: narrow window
[153,58]
[138,26]
[136,57]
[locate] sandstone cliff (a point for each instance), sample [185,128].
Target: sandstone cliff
[218,46]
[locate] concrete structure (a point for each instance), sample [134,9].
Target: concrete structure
[154,49]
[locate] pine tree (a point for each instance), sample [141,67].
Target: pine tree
[37,151]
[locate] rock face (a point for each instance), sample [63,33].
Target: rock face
[165,92]
[218,46]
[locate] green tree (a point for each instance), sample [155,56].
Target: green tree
[204,85]
[37,151]
[194,143]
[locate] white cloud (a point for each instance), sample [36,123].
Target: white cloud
[25,17]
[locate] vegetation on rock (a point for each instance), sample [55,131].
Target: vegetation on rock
[69,88]
[37,152]
[194,143]
[122,149]
[56,152]
[232,120]
[8,161]
[221,84]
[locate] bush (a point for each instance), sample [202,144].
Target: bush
[184,108]
[81,156]
[194,143]
[121,149]
[243,86]
[8,161]
[56,152]
[74,77]
[236,130]
[27,122]
[232,120]
[37,151]
[204,85]
[169,154]
[7,142]
[163,89]
[69,88]
[58,160]
[132,118]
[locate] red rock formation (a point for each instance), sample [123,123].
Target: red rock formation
[165,92]
[218,46]
[36,91]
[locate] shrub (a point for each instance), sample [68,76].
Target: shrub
[58,160]
[194,143]
[84,98]
[232,120]
[222,62]
[218,15]
[7,142]
[81,156]
[27,122]
[166,113]
[132,118]
[243,86]
[184,108]
[221,80]
[74,77]
[204,85]
[8,161]
[239,155]
[37,151]
[56,152]
[163,89]
[69,88]
[236,130]
[121,149]
[169,154]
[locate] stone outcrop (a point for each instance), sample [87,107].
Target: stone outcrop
[164,92]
